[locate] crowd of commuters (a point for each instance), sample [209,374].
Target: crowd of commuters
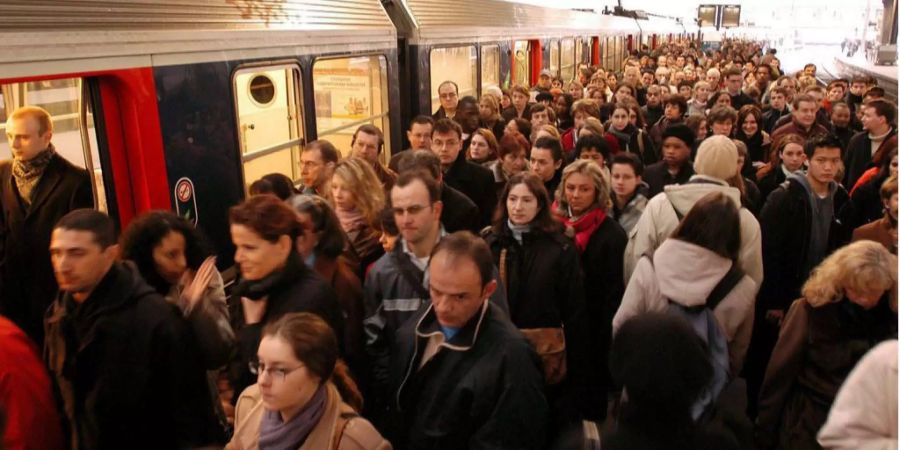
[693,250]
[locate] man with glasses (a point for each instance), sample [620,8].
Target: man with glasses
[474,180]
[317,166]
[448,93]
[395,285]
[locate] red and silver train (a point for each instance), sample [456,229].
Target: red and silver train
[181,104]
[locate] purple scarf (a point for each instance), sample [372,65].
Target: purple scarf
[274,434]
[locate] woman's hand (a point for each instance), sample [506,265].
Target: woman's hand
[196,284]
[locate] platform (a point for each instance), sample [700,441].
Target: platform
[858,65]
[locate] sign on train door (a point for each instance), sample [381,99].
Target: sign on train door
[269,120]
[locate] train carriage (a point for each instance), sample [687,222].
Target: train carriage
[181,105]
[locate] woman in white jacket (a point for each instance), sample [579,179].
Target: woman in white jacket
[686,268]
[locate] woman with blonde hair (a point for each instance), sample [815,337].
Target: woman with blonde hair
[357,199]
[489,114]
[582,205]
[849,305]
[545,130]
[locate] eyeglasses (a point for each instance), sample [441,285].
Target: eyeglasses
[276,373]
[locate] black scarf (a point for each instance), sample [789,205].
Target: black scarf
[28,173]
[257,289]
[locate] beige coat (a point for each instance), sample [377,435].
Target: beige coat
[358,434]
[685,273]
[864,414]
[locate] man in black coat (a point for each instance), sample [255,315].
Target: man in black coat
[125,371]
[799,229]
[462,375]
[867,147]
[473,180]
[675,167]
[37,188]
[459,212]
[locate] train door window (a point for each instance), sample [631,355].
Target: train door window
[456,64]
[490,66]
[74,134]
[269,120]
[351,92]
[567,59]
[554,57]
[579,51]
[522,65]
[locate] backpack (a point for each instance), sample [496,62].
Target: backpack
[703,321]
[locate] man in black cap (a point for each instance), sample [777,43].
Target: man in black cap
[675,167]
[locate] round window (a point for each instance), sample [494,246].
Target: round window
[262,89]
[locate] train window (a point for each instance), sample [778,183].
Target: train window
[269,120]
[567,59]
[351,92]
[262,89]
[74,136]
[522,65]
[579,51]
[490,66]
[457,64]
[554,57]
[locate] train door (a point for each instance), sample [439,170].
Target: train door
[521,63]
[456,64]
[554,57]
[567,60]
[270,126]
[490,67]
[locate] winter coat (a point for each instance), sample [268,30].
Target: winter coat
[358,433]
[629,215]
[786,221]
[126,373]
[652,115]
[482,389]
[864,413]
[770,118]
[395,289]
[209,322]
[769,182]
[27,283]
[859,155]
[26,395]
[792,127]
[865,204]
[656,131]
[816,349]
[545,290]
[653,286]
[294,288]
[510,113]
[657,176]
[340,275]
[460,213]
[638,139]
[660,220]
[878,231]
[476,182]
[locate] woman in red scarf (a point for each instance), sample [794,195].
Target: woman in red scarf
[582,201]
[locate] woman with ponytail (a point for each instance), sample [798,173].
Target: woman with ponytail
[304,397]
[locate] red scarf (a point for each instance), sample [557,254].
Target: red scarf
[583,227]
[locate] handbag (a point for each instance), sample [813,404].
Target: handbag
[548,343]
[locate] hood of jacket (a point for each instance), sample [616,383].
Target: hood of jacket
[688,285]
[683,196]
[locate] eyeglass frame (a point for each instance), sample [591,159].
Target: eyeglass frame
[258,369]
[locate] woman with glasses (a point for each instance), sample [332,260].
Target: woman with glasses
[303,397]
[273,279]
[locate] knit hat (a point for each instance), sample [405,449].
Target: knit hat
[680,131]
[717,157]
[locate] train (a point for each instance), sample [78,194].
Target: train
[182,104]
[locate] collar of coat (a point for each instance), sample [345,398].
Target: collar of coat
[462,341]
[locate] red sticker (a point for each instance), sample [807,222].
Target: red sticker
[184,190]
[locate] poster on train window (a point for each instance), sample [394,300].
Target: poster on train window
[343,96]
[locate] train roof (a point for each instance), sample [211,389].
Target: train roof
[660,25]
[62,36]
[447,21]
